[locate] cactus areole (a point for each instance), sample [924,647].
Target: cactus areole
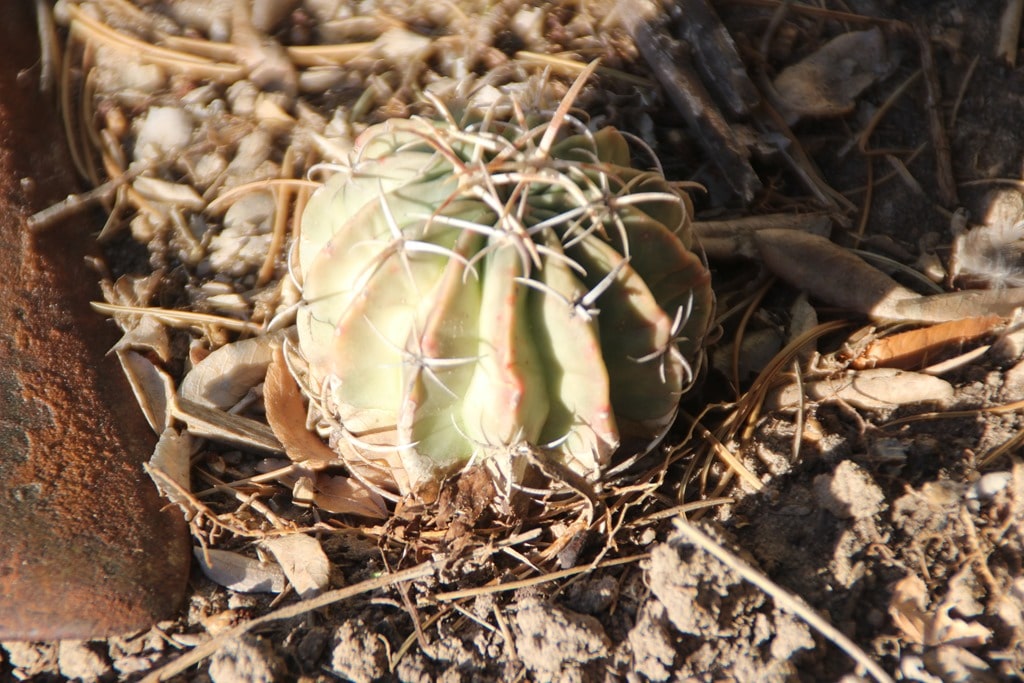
[494,293]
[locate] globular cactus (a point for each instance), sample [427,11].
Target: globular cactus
[473,292]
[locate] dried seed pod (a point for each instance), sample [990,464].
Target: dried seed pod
[473,291]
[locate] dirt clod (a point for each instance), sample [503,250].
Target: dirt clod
[247,658]
[701,597]
[849,492]
[556,644]
[358,654]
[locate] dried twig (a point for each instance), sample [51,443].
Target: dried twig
[940,141]
[49,53]
[963,90]
[74,203]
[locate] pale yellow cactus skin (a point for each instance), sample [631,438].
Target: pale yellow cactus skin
[474,291]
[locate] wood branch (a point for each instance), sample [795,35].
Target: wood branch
[670,62]
[716,56]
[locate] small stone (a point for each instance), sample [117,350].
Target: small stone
[129,666]
[163,133]
[593,597]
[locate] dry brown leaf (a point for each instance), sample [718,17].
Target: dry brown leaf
[936,308]
[872,389]
[908,609]
[153,389]
[945,629]
[733,239]
[341,495]
[378,463]
[224,377]
[225,427]
[952,664]
[286,414]
[303,561]
[828,273]
[961,599]
[825,270]
[141,332]
[169,466]
[918,348]
[240,573]
[827,82]
[148,335]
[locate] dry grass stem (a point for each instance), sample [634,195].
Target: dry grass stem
[576,67]
[962,90]
[228,197]
[84,26]
[865,135]
[181,319]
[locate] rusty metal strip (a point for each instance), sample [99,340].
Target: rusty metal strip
[86,549]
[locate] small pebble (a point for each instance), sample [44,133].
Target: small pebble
[163,133]
[988,486]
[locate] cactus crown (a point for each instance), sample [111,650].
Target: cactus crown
[478,291]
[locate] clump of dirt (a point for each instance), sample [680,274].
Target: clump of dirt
[694,595]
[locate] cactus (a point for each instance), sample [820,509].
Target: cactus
[472,292]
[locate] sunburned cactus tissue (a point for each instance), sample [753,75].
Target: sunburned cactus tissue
[476,292]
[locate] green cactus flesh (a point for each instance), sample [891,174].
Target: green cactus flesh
[469,292]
